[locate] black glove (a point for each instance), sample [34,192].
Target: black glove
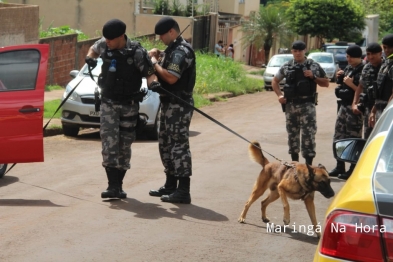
[155,86]
[91,62]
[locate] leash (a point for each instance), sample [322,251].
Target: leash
[220,124]
[61,104]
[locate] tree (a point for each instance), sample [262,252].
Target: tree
[384,9]
[263,27]
[326,19]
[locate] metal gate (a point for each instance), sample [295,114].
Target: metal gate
[201,33]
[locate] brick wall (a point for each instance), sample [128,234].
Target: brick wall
[19,24]
[82,47]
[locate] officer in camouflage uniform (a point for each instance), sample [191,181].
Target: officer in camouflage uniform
[299,99]
[348,124]
[383,92]
[364,95]
[176,72]
[120,97]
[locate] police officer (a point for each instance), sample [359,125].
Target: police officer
[368,81]
[299,99]
[125,63]
[348,124]
[384,81]
[176,72]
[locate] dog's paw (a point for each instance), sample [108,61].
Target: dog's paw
[241,220]
[286,221]
[265,219]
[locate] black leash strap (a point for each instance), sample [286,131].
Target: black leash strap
[61,104]
[217,122]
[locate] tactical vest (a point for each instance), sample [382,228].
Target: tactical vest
[296,84]
[370,82]
[126,82]
[384,83]
[185,84]
[346,93]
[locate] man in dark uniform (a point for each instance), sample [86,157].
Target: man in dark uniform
[176,71]
[365,90]
[299,99]
[125,63]
[384,81]
[348,124]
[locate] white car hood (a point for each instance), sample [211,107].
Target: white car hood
[272,70]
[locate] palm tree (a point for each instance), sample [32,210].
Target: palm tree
[264,27]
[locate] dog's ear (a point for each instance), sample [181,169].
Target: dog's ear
[322,166]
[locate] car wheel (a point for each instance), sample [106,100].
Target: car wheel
[3,168]
[70,130]
[153,132]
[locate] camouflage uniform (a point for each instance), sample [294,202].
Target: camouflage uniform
[175,117]
[385,75]
[368,76]
[119,118]
[301,116]
[348,124]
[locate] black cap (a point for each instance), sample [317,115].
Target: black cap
[298,45]
[113,28]
[354,51]
[388,40]
[164,25]
[374,48]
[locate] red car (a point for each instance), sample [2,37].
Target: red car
[22,84]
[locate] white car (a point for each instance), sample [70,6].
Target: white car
[327,62]
[79,109]
[272,68]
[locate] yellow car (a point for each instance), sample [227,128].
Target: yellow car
[359,221]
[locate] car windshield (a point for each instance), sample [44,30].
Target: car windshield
[96,71]
[322,58]
[277,61]
[337,50]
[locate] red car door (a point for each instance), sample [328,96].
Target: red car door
[22,85]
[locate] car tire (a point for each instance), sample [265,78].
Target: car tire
[152,133]
[3,168]
[69,130]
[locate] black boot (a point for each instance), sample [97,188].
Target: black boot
[122,173]
[339,169]
[169,187]
[295,157]
[347,174]
[309,160]
[182,193]
[113,190]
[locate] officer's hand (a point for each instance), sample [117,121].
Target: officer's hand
[91,62]
[348,80]
[355,109]
[154,86]
[282,99]
[308,73]
[371,120]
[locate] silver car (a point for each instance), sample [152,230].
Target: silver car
[79,110]
[327,62]
[272,68]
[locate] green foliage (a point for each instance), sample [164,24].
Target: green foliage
[52,87]
[326,19]
[50,108]
[62,30]
[266,25]
[177,8]
[384,9]
[161,7]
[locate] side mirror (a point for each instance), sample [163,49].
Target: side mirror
[74,73]
[348,150]
[263,66]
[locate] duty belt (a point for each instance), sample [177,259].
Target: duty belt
[300,100]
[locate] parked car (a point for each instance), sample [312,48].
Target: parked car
[359,221]
[340,54]
[272,68]
[79,110]
[327,62]
[22,77]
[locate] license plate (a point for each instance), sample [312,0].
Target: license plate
[95,113]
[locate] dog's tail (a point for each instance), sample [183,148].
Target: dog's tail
[256,154]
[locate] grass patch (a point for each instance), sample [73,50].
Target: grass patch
[50,108]
[53,87]
[258,73]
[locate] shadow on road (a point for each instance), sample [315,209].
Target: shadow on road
[156,211]
[7,180]
[27,202]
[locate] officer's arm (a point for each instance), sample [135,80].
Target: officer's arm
[322,81]
[277,90]
[358,91]
[163,73]
[91,53]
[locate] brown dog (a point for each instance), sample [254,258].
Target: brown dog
[294,180]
